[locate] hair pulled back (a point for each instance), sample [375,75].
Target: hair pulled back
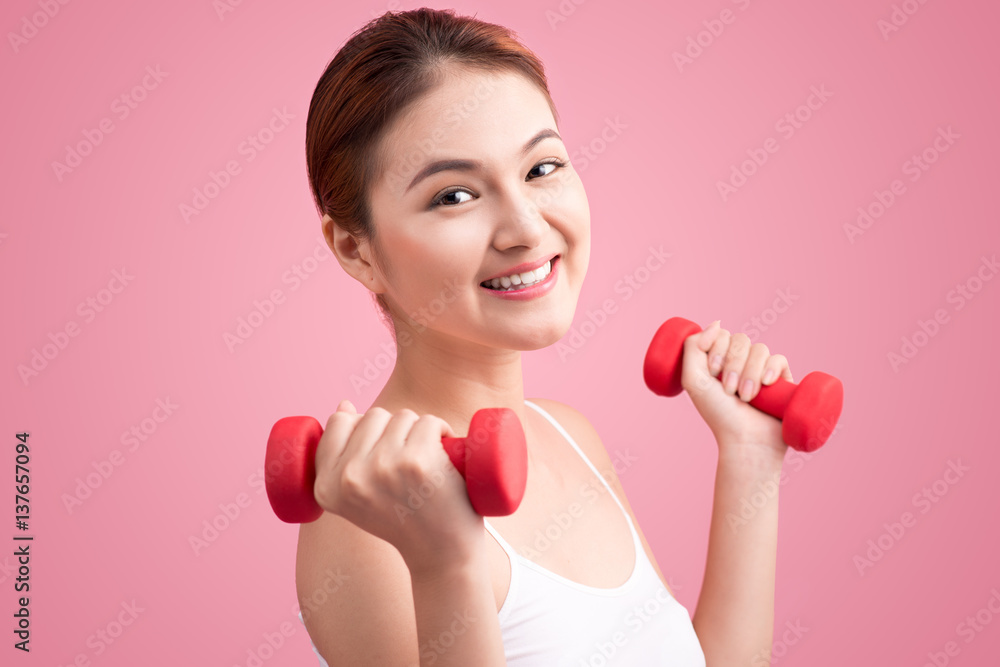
[382,69]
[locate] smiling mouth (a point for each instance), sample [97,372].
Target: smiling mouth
[506,284]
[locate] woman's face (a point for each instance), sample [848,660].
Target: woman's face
[505,200]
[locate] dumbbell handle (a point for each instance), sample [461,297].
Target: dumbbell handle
[772,398]
[492,459]
[809,410]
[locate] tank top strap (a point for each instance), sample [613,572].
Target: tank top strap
[583,456]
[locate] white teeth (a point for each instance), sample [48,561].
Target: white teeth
[522,280]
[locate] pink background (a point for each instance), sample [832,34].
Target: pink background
[655,184]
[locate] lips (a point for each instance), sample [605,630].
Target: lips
[522,268]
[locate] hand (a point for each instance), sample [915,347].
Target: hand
[723,405]
[390,476]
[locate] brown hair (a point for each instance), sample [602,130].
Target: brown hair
[381,70]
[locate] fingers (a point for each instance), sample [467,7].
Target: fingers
[734,362]
[719,355]
[742,367]
[429,429]
[396,432]
[753,371]
[708,336]
[776,366]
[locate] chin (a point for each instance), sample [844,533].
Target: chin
[543,337]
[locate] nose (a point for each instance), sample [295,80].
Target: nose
[520,220]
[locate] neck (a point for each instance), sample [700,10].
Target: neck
[452,378]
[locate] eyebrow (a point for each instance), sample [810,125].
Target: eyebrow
[473,165]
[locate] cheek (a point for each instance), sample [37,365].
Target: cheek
[573,204]
[426,271]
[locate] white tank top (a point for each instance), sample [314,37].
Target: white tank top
[548,620]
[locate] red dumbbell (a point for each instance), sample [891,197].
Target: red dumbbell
[493,459]
[809,410]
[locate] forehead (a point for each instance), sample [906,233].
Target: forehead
[468,114]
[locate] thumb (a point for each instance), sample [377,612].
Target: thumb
[346,406]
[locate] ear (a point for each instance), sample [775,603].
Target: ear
[353,254]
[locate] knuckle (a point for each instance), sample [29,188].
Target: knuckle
[352,479]
[407,412]
[378,411]
[383,466]
[333,418]
[412,466]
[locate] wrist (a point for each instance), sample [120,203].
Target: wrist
[751,457]
[448,568]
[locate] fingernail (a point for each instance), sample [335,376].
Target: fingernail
[731,381]
[768,376]
[747,388]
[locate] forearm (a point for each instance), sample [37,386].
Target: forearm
[457,620]
[734,618]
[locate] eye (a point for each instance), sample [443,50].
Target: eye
[439,200]
[554,163]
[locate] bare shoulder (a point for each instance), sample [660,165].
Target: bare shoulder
[355,595]
[586,436]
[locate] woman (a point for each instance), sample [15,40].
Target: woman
[445,189]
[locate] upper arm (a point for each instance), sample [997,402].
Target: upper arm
[586,436]
[355,595]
